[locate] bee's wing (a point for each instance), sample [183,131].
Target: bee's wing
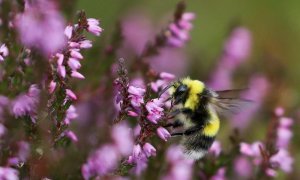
[231,93]
[228,102]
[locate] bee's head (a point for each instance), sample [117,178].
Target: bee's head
[180,92]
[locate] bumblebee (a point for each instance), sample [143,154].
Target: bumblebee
[196,111]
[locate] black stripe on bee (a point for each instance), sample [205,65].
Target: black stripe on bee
[199,142]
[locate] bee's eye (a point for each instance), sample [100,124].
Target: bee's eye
[182,89]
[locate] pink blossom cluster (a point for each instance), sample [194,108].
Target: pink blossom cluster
[9,173]
[236,50]
[149,112]
[26,103]
[281,159]
[140,157]
[41,26]
[106,159]
[178,31]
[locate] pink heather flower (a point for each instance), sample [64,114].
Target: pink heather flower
[123,138]
[220,175]
[61,71]
[155,112]
[68,31]
[279,111]
[271,172]
[215,148]
[85,44]
[77,75]
[71,94]
[26,104]
[283,160]
[51,87]
[167,76]
[33,91]
[136,95]
[179,31]
[103,161]
[284,132]
[7,173]
[41,27]
[250,149]
[163,133]
[285,122]
[140,164]
[74,63]
[284,136]
[149,150]
[132,113]
[76,54]
[243,167]
[137,151]
[71,135]
[238,45]
[74,44]
[166,79]
[60,58]
[138,82]
[3,52]
[93,26]
[70,114]
[136,91]
[236,50]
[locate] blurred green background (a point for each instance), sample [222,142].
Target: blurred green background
[274,24]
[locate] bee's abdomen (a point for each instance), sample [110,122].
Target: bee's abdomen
[196,146]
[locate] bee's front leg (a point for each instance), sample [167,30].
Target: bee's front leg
[189,131]
[177,123]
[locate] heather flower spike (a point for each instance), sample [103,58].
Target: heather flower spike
[178,32]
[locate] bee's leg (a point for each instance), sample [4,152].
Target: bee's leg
[174,113]
[177,134]
[193,129]
[177,123]
[189,131]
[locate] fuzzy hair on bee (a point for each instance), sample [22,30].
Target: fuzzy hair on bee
[197,111]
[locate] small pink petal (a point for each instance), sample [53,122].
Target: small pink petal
[71,94]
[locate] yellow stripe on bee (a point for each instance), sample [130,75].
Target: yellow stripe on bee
[195,88]
[212,127]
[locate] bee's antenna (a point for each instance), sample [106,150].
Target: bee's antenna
[164,90]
